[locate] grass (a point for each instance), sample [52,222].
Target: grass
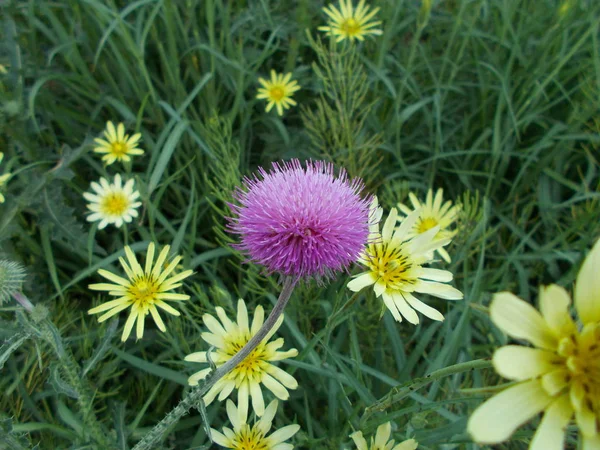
[495,101]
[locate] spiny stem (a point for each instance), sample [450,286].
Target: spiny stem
[400,392]
[197,393]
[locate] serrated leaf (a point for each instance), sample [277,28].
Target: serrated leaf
[102,348]
[11,345]
[60,385]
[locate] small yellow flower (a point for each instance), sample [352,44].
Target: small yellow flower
[433,214]
[3,179]
[229,337]
[118,146]
[245,437]
[394,262]
[381,440]
[143,290]
[278,91]
[350,23]
[112,203]
[560,376]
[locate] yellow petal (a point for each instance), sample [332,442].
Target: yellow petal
[520,320]
[516,362]
[497,419]
[587,287]
[554,305]
[550,435]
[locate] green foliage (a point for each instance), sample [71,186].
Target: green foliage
[12,276]
[336,125]
[494,101]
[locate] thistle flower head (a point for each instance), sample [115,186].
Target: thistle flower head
[12,275]
[301,220]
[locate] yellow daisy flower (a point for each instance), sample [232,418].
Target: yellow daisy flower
[433,214]
[143,290]
[112,203]
[118,146]
[229,337]
[245,437]
[560,376]
[381,441]
[278,91]
[351,23]
[3,179]
[394,263]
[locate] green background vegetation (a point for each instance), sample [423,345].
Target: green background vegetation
[495,101]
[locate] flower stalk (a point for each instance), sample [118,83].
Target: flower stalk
[196,394]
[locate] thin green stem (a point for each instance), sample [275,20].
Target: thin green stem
[194,397]
[399,393]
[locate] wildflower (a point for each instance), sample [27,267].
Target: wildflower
[143,290]
[229,337]
[302,220]
[278,91]
[381,440]
[118,146]
[433,214]
[112,203]
[394,263]
[3,179]
[244,437]
[560,376]
[350,23]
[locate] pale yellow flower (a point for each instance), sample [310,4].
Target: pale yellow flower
[394,262]
[3,179]
[229,337]
[560,375]
[112,203]
[143,290]
[118,146]
[278,91]
[433,214]
[381,441]
[245,437]
[351,23]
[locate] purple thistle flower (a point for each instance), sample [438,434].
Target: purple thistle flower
[301,221]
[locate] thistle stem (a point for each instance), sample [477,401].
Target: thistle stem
[197,393]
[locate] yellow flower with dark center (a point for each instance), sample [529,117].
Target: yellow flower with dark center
[560,376]
[381,441]
[229,337]
[351,23]
[394,262]
[112,203]
[246,437]
[3,179]
[278,91]
[433,213]
[143,290]
[118,146]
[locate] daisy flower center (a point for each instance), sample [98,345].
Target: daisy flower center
[391,264]
[277,93]
[119,148]
[254,362]
[143,291]
[582,363]
[249,439]
[115,203]
[427,223]
[351,27]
